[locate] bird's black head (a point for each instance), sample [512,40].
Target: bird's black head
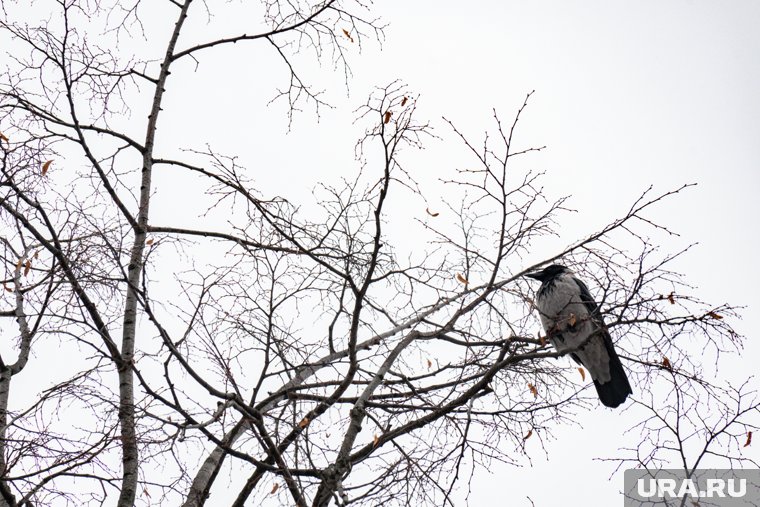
[548,273]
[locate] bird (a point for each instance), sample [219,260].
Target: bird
[574,324]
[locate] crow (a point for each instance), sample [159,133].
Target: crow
[574,324]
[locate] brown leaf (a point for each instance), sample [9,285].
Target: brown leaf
[375,440]
[429,363]
[530,434]
[666,363]
[304,422]
[431,213]
[533,390]
[36,254]
[572,320]
[275,487]
[2,136]
[19,263]
[715,316]
[27,267]
[348,34]
[749,439]
[462,279]
[46,166]
[149,242]
[583,374]
[145,492]
[9,289]
[387,117]
[672,298]
[403,102]
[541,339]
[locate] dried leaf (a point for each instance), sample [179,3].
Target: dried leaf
[715,316]
[672,298]
[462,279]
[304,422]
[530,434]
[583,373]
[431,213]
[275,487]
[666,363]
[403,102]
[387,117]
[375,440]
[348,34]
[533,390]
[541,339]
[19,263]
[149,242]
[572,320]
[749,439]
[2,136]
[27,267]
[36,254]
[9,289]
[145,492]
[46,166]
[429,363]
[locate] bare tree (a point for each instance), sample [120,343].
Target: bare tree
[294,344]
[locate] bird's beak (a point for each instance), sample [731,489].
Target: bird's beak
[535,276]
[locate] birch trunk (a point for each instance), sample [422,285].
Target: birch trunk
[130,459]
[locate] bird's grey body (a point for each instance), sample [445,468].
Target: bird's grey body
[573,324]
[570,327]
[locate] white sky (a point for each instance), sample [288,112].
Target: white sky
[628,94]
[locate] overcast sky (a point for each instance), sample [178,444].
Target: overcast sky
[628,94]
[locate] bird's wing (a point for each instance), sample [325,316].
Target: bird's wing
[588,299]
[593,309]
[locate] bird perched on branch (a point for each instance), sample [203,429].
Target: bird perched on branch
[574,325]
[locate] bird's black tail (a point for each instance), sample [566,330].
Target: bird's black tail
[614,392]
